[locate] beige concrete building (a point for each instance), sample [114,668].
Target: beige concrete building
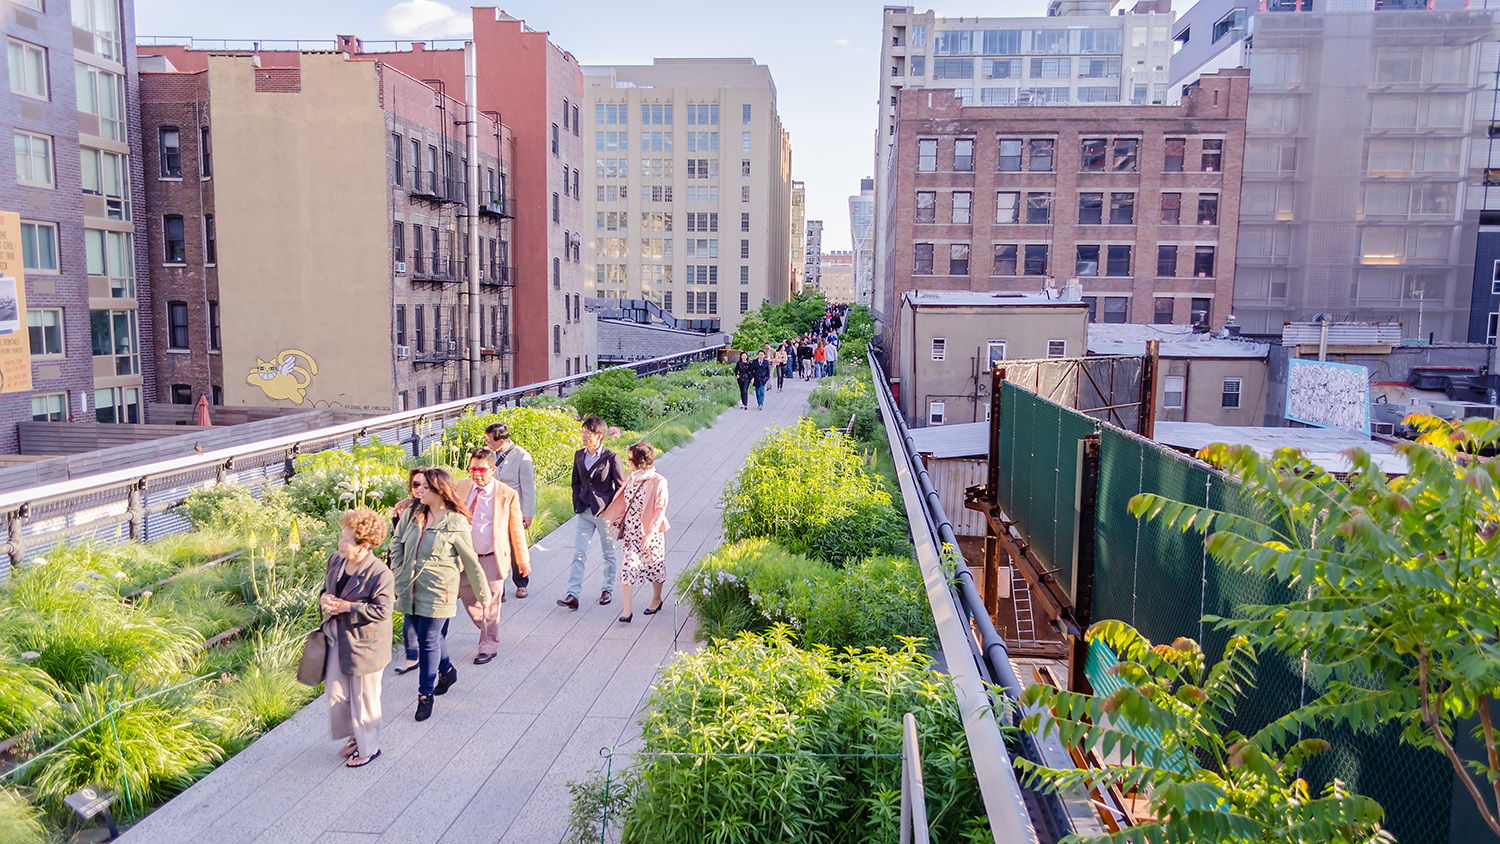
[1202,378]
[951,339]
[690,195]
[798,268]
[838,277]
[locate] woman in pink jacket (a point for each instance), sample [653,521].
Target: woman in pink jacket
[641,504]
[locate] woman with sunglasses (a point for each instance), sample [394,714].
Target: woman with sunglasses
[408,627]
[435,550]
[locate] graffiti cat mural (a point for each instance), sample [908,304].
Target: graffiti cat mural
[282,377]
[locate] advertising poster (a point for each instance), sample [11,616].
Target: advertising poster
[15,345]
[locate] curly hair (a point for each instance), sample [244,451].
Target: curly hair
[369,528]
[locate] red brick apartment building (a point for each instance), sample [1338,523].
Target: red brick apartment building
[1138,203]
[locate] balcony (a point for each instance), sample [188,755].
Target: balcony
[432,186]
[497,275]
[498,206]
[435,272]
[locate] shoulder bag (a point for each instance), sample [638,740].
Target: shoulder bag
[617,530]
[311,666]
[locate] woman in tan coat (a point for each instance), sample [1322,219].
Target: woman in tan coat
[358,593]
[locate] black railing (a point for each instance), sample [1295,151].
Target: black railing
[499,275]
[433,186]
[495,205]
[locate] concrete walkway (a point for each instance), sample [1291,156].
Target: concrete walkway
[493,762]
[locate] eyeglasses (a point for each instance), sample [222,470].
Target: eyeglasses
[418,485]
[480,469]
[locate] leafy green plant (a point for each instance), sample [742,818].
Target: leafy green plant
[236,510]
[879,601]
[616,406]
[598,801]
[200,602]
[550,434]
[265,691]
[1399,579]
[27,694]
[750,585]
[20,822]
[334,480]
[1203,781]
[849,396]
[774,323]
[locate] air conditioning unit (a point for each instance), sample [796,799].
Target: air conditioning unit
[403,352]
[1384,428]
[400,266]
[1459,410]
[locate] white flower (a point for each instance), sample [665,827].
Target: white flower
[29,656]
[39,561]
[81,586]
[119,575]
[95,575]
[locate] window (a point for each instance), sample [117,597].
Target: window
[556,339]
[935,412]
[1125,154]
[1493,332]
[1090,209]
[28,69]
[419,326]
[421,397]
[745,222]
[1100,68]
[1172,388]
[1036,259]
[1166,261]
[34,159]
[996,352]
[1041,155]
[102,95]
[1039,208]
[1093,153]
[213,326]
[1203,261]
[1208,209]
[107,175]
[1115,309]
[1088,260]
[177,325]
[1122,209]
[1175,152]
[45,327]
[1171,209]
[1234,21]
[1213,155]
[1010,155]
[923,256]
[52,407]
[555,139]
[182,394]
[171,152]
[744,142]
[396,147]
[963,155]
[111,254]
[745,114]
[1057,348]
[927,155]
[565,112]
[1051,68]
[114,335]
[952,69]
[1198,312]
[939,348]
[102,19]
[1007,206]
[576,193]
[962,203]
[926,206]
[1230,397]
[174,240]
[39,247]
[398,241]
[958,259]
[1005,259]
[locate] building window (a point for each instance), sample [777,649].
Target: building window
[1203,261]
[744,142]
[396,164]
[45,327]
[1036,259]
[114,335]
[958,259]
[1213,155]
[177,325]
[213,326]
[1176,151]
[102,95]
[556,209]
[34,160]
[1208,209]
[1230,397]
[1171,209]
[182,394]
[1122,209]
[1166,261]
[1090,209]
[745,250]
[111,254]
[1007,206]
[1088,260]
[962,203]
[39,247]
[101,18]
[745,222]
[51,407]
[211,241]
[1125,154]
[1005,259]
[923,256]
[206,156]
[1010,155]
[927,155]
[996,350]
[28,69]
[935,412]
[1172,389]
[1198,313]
[1041,155]
[963,155]
[1093,153]
[107,175]
[1165,308]
[575,121]
[170,141]
[939,348]
[174,240]
[555,139]
[576,193]
[1039,208]
[1115,309]
[1117,260]
[1057,348]
[926,206]
[398,243]
[556,339]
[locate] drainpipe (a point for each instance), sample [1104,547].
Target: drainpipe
[1323,338]
[471,205]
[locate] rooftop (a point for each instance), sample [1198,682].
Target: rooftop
[1177,341]
[967,299]
[967,439]
[1323,446]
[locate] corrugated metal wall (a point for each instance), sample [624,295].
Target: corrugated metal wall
[951,477]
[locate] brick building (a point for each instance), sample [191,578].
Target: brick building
[1137,203]
[72,111]
[307,211]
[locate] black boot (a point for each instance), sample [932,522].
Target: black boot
[445,681]
[424,707]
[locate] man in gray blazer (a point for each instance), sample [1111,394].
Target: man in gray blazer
[515,469]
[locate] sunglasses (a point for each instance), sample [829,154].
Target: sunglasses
[418,485]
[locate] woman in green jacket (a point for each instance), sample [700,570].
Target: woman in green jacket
[428,552]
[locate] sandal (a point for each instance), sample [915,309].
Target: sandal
[350,749]
[358,761]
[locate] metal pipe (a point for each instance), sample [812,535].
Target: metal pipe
[471,205]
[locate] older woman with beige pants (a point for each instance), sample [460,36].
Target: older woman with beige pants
[358,593]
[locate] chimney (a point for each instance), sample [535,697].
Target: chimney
[351,45]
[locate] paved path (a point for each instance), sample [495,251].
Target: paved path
[493,762]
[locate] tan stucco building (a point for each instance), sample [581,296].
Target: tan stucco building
[837,276]
[1200,377]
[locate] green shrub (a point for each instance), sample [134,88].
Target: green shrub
[617,407]
[750,585]
[652,405]
[265,691]
[550,434]
[617,378]
[198,601]
[20,822]
[27,694]
[849,396]
[236,510]
[334,480]
[871,527]
[878,602]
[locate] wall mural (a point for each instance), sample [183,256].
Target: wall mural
[282,377]
[1328,395]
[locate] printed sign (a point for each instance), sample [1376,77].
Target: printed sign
[15,344]
[1328,395]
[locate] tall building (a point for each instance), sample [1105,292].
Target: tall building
[693,147]
[862,233]
[798,267]
[1138,204]
[1079,53]
[1483,203]
[813,249]
[73,113]
[837,276]
[284,292]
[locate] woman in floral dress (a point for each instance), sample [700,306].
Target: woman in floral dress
[642,506]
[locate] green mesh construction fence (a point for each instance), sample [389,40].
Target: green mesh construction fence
[1163,583]
[1041,451]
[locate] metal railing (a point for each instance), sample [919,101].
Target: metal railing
[139,503]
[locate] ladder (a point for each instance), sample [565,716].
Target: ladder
[1020,597]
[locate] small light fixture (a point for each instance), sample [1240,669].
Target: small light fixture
[91,801]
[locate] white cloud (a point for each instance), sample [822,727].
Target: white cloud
[426,19]
[842,42]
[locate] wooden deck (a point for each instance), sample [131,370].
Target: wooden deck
[493,762]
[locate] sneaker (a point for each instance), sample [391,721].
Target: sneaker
[424,707]
[445,681]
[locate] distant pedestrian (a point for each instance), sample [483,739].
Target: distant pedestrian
[820,355]
[499,541]
[805,358]
[830,357]
[778,361]
[597,476]
[358,595]
[515,469]
[642,504]
[761,377]
[744,375]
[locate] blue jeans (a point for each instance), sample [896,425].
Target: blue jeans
[828,368]
[432,636]
[818,369]
[760,395]
[409,637]
[588,525]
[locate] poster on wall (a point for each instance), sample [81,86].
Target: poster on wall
[1328,395]
[15,345]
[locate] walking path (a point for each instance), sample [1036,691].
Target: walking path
[493,762]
